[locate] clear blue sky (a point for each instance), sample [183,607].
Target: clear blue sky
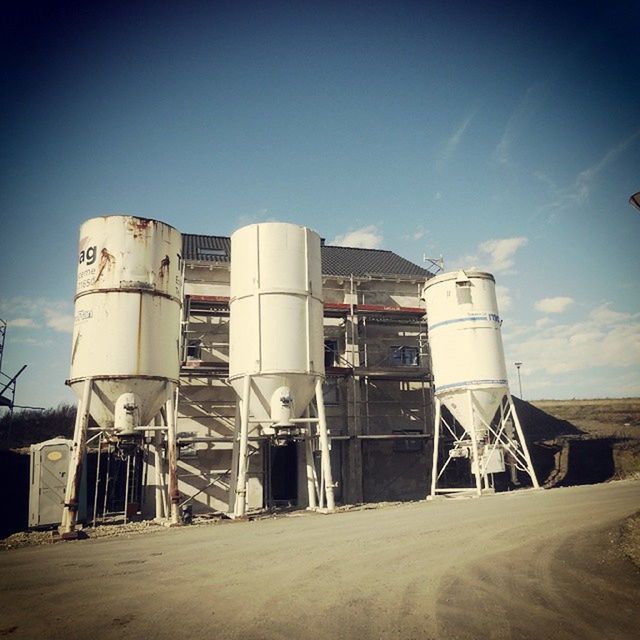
[504,137]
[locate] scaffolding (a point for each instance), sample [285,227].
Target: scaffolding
[363,410]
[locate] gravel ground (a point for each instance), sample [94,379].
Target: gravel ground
[526,565]
[631,538]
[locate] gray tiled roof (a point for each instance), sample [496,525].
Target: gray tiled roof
[336,261]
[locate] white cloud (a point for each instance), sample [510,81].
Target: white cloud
[603,339]
[543,322]
[37,313]
[504,298]
[22,322]
[58,321]
[453,142]
[368,237]
[496,255]
[585,178]
[553,305]
[417,234]
[604,315]
[578,193]
[519,119]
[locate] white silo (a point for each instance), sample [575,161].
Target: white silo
[125,359]
[470,378]
[276,341]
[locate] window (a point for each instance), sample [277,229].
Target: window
[330,353]
[194,350]
[463,291]
[403,356]
[211,253]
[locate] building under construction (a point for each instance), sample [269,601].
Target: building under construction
[377,390]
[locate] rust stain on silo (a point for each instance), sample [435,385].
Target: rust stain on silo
[106,261]
[164,267]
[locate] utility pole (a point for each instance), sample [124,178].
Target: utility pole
[518,365]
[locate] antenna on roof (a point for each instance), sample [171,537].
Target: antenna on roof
[437,263]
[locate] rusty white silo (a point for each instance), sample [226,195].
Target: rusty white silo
[127,315]
[470,377]
[276,341]
[125,357]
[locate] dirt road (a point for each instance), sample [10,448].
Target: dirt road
[520,565]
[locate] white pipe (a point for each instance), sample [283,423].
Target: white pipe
[241,484]
[324,445]
[311,487]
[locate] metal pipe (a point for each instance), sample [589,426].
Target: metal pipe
[72,493]
[107,481]
[241,483]
[157,461]
[97,485]
[324,446]
[126,488]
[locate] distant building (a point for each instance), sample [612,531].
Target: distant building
[377,389]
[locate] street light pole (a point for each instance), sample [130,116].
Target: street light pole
[518,365]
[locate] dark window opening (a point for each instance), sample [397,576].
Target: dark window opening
[405,356]
[330,353]
[284,474]
[214,253]
[194,350]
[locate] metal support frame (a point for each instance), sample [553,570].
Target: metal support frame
[169,415]
[499,436]
[71,496]
[320,492]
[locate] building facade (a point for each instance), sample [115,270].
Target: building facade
[377,390]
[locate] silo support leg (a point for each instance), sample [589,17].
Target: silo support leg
[324,446]
[172,454]
[240,506]
[474,444]
[233,479]
[436,448]
[159,482]
[70,511]
[523,443]
[308,447]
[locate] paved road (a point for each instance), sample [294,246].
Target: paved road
[520,565]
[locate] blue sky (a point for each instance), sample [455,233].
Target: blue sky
[506,138]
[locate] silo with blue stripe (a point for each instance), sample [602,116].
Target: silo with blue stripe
[470,380]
